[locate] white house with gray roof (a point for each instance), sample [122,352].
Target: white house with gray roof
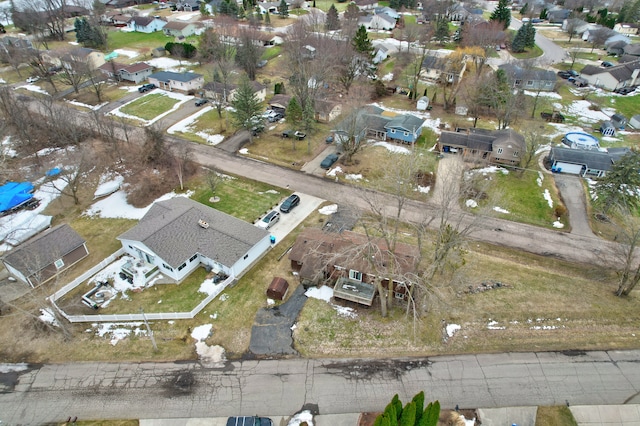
[178,235]
[185,81]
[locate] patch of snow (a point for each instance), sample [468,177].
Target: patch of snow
[353,177]
[393,147]
[187,16]
[13,368]
[558,224]
[581,108]
[330,209]
[201,332]
[452,329]
[551,95]
[127,53]
[423,189]
[547,196]
[540,178]
[468,422]
[2,81]
[387,77]
[244,151]
[493,325]
[501,210]
[115,206]
[168,64]
[74,43]
[211,355]
[46,315]
[491,169]
[108,187]
[33,88]
[91,107]
[118,331]
[210,288]
[270,302]
[301,417]
[334,171]
[224,297]
[471,204]
[323,293]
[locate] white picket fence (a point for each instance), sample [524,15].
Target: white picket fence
[129,317]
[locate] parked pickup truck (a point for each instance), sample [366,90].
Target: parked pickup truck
[552,117]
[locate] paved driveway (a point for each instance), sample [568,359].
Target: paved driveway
[573,195]
[289,221]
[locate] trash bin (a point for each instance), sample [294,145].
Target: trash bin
[273,239]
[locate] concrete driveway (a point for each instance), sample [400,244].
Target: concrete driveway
[289,221]
[573,195]
[313,166]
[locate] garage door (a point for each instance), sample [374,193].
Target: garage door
[573,169]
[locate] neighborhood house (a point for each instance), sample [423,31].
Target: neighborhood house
[352,263]
[45,256]
[496,146]
[177,81]
[178,235]
[375,122]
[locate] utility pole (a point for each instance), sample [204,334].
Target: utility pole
[153,340]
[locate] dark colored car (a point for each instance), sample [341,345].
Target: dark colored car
[249,421]
[625,90]
[329,139]
[564,74]
[290,203]
[573,73]
[329,160]
[146,87]
[607,64]
[201,102]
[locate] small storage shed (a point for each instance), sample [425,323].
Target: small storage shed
[635,121]
[607,128]
[422,103]
[278,289]
[619,121]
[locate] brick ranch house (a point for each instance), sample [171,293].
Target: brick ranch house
[351,263]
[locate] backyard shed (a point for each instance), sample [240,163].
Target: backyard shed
[607,128]
[278,289]
[422,103]
[635,121]
[619,121]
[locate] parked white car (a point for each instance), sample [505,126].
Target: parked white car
[32,79]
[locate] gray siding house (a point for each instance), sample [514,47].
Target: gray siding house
[530,79]
[178,235]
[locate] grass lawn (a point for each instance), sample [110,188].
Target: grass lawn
[271,52]
[134,40]
[149,106]
[243,198]
[528,54]
[626,105]
[521,196]
[324,5]
[559,415]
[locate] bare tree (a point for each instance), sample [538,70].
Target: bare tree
[571,27]
[534,139]
[74,176]
[485,36]
[183,152]
[351,134]
[74,70]
[415,67]
[626,253]
[599,36]
[451,77]
[40,67]
[43,18]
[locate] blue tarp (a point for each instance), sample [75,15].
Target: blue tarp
[53,172]
[13,194]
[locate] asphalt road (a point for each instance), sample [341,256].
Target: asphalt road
[282,387]
[552,52]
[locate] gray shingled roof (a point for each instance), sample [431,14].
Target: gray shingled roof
[170,228]
[406,122]
[478,141]
[595,160]
[175,76]
[44,249]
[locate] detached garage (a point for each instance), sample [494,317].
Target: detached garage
[580,162]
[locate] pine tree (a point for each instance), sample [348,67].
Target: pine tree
[520,40]
[361,42]
[613,189]
[502,13]
[247,106]
[283,9]
[442,30]
[81,27]
[524,9]
[332,21]
[530,35]
[294,111]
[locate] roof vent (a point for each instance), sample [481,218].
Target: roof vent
[203,224]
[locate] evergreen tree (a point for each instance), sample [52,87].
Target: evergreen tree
[530,35]
[361,42]
[247,106]
[442,30]
[613,190]
[520,40]
[283,9]
[524,9]
[294,111]
[502,13]
[81,27]
[544,13]
[332,21]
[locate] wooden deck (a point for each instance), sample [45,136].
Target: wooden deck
[354,291]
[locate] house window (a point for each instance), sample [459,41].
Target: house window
[355,275]
[398,295]
[192,258]
[406,133]
[246,256]
[392,131]
[59,263]
[181,267]
[515,153]
[499,150]
[529,83]
[167,267]
[518,82]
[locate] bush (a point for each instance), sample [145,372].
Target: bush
[560,210]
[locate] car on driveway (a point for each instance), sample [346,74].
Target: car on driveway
[146,87]
[329,160]
[564,74]
[607,64]
[625,90]
[269,220]
[201,102]
[290,203]
[573,73]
